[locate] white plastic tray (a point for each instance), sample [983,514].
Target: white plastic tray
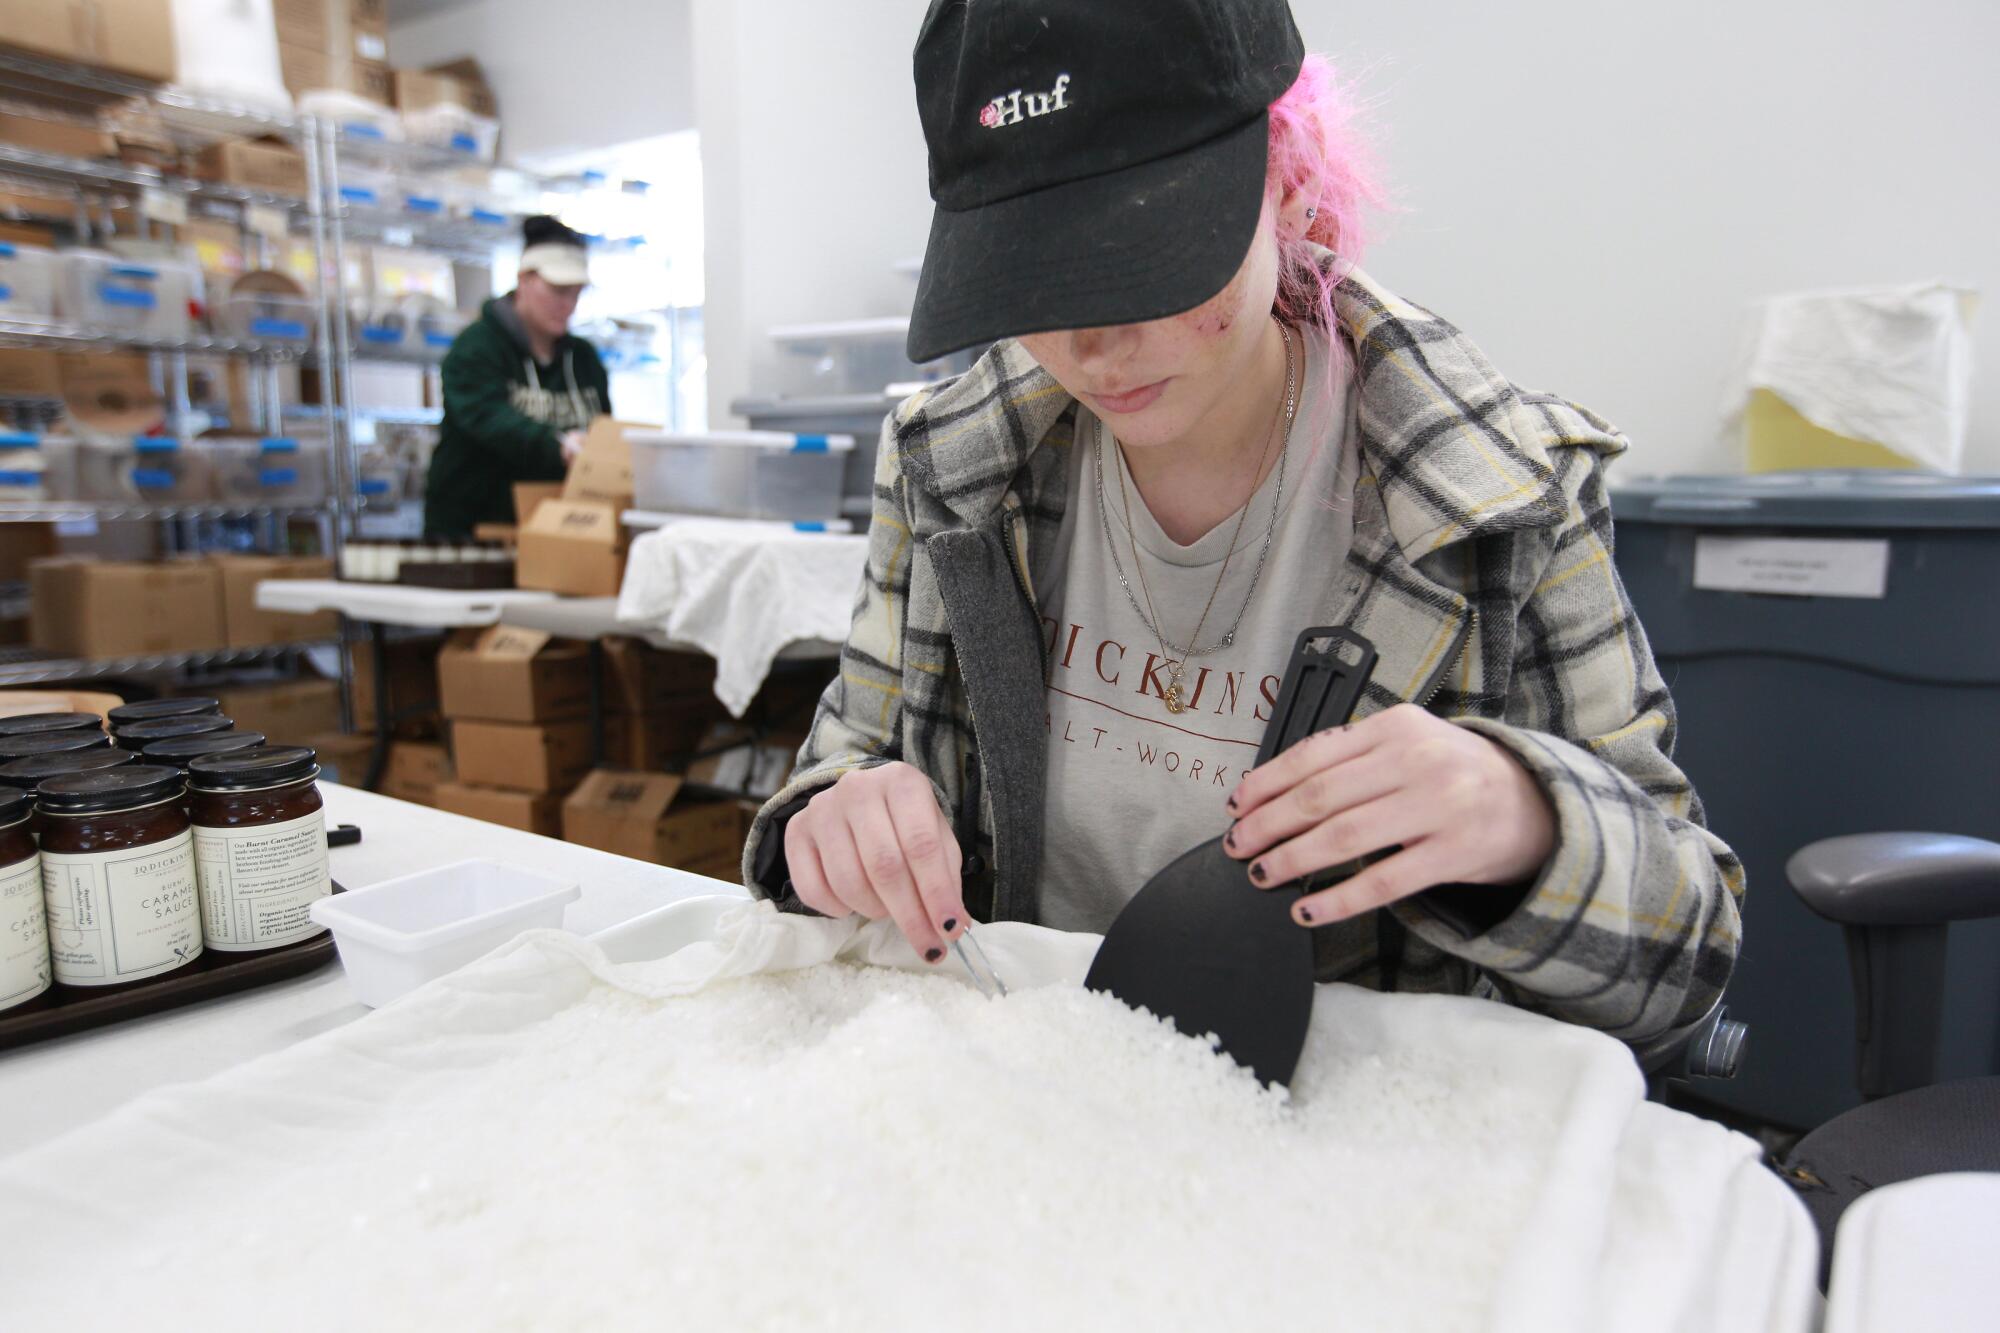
[657,933]
[404,932]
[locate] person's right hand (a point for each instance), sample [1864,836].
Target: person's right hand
[572,446]
[875,842]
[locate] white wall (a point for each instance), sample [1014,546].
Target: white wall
[812,171]
[1592,191]
[567,77]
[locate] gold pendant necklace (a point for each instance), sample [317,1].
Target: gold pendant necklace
[1281,422]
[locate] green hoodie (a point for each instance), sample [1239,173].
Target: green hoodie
[504,417]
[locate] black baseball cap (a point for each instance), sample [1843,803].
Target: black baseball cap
[1092,164]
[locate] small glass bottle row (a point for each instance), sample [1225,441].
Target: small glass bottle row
[382,562]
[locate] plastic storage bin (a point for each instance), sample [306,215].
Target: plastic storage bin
[397,935]
[855,356]
[859,415]
[665,930]
[280,470]
[265,307]
[27,283]
[140,298]
[367,188]
[434,329]
[22,466]
[148,470]
[739,474]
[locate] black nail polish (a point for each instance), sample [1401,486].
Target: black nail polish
[932,955]
[1258,874]
[1230,804]
[950,924]
[1305,916]
[1229,840]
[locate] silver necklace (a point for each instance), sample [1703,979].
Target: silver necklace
[1270,529]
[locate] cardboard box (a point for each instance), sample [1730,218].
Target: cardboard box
[472,84]
[639,678]
[17,703]
[130,36]
[508,674]
[412,684]
[531,812]
[21,544]
[639,815]
[572,546]
[528,497]
[287,712]
[343,756]
[68,137]
[418,89]
[29,374]
[532,757]
[415,771]
[94,608]
[650,742]
[248,627]
[111,392]
[603,471]
[27,233]
[255,164]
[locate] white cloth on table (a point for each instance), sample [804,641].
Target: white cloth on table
[741,593]
[1633,1216]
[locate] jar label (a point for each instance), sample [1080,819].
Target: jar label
[24,933]
[123,915]
[258,884]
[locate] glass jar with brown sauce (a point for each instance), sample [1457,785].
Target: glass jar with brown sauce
[260,846]
[24,926]
[118,877]
[51,742]
[176,751]
[34,724]
[148,710]
[136,736]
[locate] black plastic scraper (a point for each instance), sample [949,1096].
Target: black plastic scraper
[1200,944]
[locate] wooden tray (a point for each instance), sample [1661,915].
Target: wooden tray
[217,973]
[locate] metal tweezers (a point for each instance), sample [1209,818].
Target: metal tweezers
[988,988]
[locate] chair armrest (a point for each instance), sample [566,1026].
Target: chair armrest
[1898,879]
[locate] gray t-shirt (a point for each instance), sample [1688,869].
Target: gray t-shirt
[1130,785]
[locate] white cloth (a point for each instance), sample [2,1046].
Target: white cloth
[741,593]
[1917,1255]
[1637,1218]
[1890,365]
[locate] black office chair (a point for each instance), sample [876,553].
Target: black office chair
[1895,895]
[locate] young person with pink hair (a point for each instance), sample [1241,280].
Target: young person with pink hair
[1203,428]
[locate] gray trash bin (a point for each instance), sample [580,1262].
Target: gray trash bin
[1804,715]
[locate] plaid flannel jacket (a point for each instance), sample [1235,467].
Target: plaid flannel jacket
[1481,570]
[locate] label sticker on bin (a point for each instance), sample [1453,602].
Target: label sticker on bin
[358,194]
[156,444]
[268,327]
[371,486]
[7,250]
[278,476]
[9,477]
[417,203]
[152,479]
[488,217]
[127,297]
[380,333]
[6,292]
[19,439]
[279,445]
[1793,566]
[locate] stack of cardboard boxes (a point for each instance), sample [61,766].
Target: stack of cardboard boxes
[82,607]
[576,543]
[341,44]
[129,36]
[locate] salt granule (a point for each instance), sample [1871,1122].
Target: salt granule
[857,1147]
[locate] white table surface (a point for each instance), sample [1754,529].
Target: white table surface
[393,603]
[57,1085]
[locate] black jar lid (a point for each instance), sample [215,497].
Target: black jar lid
[253,770]
[34,724]
[138,735]
[150,709]
[29,773]
[15,805]
[109,790]
[51,742]
[180,749]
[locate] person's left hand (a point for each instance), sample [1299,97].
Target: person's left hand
[1459,809]
[572,445]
